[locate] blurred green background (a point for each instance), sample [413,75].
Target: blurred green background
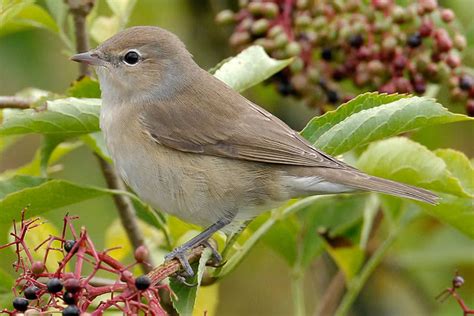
[415,270]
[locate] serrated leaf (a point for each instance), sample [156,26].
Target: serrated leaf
[249,68]
[68,117]
[406,161]
[403,160]
[321,124]
[374,123]
[186,295]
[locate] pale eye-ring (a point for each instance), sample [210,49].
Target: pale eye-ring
[131,58]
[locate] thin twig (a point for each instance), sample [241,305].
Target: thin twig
[80,9]
[14,102]
[332,295]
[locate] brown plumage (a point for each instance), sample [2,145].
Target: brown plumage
[195,148]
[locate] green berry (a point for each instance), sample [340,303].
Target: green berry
[225,17]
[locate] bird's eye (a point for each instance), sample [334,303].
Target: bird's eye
[131,58]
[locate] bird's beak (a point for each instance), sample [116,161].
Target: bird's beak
[90,58]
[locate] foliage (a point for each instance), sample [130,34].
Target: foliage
[365,130]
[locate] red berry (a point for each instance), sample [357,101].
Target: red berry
[37,267]
[428,5]
[470,112]
[141,254]
[381,4]
[426,28]
[453,61]
[72,285]
[447,15]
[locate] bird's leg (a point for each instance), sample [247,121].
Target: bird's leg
[180,252]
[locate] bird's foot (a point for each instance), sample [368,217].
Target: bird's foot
[181,253]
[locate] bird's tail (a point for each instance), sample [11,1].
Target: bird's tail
[361,181]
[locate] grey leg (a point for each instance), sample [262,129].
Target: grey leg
[180,252]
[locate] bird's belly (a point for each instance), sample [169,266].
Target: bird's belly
[199,189]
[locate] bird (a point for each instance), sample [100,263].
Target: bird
[189,145]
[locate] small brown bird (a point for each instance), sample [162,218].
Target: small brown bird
[191,146]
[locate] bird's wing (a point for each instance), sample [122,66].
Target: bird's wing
[213,119]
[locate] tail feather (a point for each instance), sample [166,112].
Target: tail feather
[362,181]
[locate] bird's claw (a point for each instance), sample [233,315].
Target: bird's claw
[181,253]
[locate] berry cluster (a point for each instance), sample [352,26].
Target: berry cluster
[343,47]
[73,293]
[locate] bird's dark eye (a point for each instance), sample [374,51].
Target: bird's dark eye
[131,57]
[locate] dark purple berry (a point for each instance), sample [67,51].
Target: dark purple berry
[69,298]
[333,96]
[31,292]
[71,310]
[414,40]
[69,244]
[142,282]
[466,82]
[470,110]
[54,285]
[326,54]
[285,89]
[355,40]
[20,304]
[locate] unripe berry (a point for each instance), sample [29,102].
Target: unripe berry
[297,65]
[447,15]
[275,30]
[260,27]
[453,60]
[459,41]
[381,4]
[72,285]
[141,254]
[293,49]
[470,112]
[239,38]
[428,5]
[225,17]
[281,40]
[303,20]
[37,267]
[270,10]
[426,28]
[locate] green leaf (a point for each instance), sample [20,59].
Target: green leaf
[104,27]
[321,124]
[86,87]
[122,9]
[403,160]
[366,124]
[27,16]
[186,295]
[96,142]
[348,259]
[66,117]
[460,166]
[41,196]
[249,68]
[18,182]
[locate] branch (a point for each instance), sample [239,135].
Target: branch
[79,10]
[14,102]
[332,295]
[169,268]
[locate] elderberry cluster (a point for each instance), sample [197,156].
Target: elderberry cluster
[343,47]
[39,289]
